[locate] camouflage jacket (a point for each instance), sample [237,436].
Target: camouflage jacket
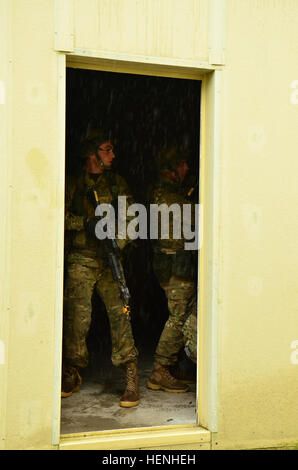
[78,207]
[173,192]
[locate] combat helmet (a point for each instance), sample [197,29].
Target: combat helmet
[88,147]
[169,158]
[98,136]
[92,141]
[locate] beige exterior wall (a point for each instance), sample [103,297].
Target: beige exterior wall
[249,262]
[148,27]
[258,299]
[33,191]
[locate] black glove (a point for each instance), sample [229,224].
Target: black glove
[90,224]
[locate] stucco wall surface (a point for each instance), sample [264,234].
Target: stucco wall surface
[258,301]
[168,28]
[30,215]
[258,226]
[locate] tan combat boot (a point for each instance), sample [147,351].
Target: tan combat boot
[161,379]
[71,381]
[131,395]
[184,372]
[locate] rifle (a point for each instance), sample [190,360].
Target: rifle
[113,254]
[192,193]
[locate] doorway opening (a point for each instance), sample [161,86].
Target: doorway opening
[143,114]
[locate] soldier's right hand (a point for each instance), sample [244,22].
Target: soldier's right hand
[90,224]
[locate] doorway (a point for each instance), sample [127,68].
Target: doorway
[143,113]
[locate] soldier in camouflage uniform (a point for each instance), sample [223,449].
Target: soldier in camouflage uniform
[174,268]
[87,269]
[189,331]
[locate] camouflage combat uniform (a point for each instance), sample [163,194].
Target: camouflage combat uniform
[189,331]
[87,269]
[174,268]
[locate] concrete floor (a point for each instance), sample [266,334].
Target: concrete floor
[96,406]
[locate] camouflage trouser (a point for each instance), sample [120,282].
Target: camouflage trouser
[83,275]
[190,331]
[174,273]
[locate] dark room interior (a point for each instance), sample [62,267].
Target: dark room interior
[143,113]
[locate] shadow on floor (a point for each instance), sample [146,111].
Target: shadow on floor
[96,406]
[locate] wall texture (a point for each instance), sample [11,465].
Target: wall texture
[31,222]
[258,252]
[259,225]
[148,27]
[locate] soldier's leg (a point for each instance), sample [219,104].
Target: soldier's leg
[77,316]
[124,352]
[185,369]
[190,336]
[123,346]
[178,292]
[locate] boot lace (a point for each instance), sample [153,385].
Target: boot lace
[71,374]
[169,376]
[130,379]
